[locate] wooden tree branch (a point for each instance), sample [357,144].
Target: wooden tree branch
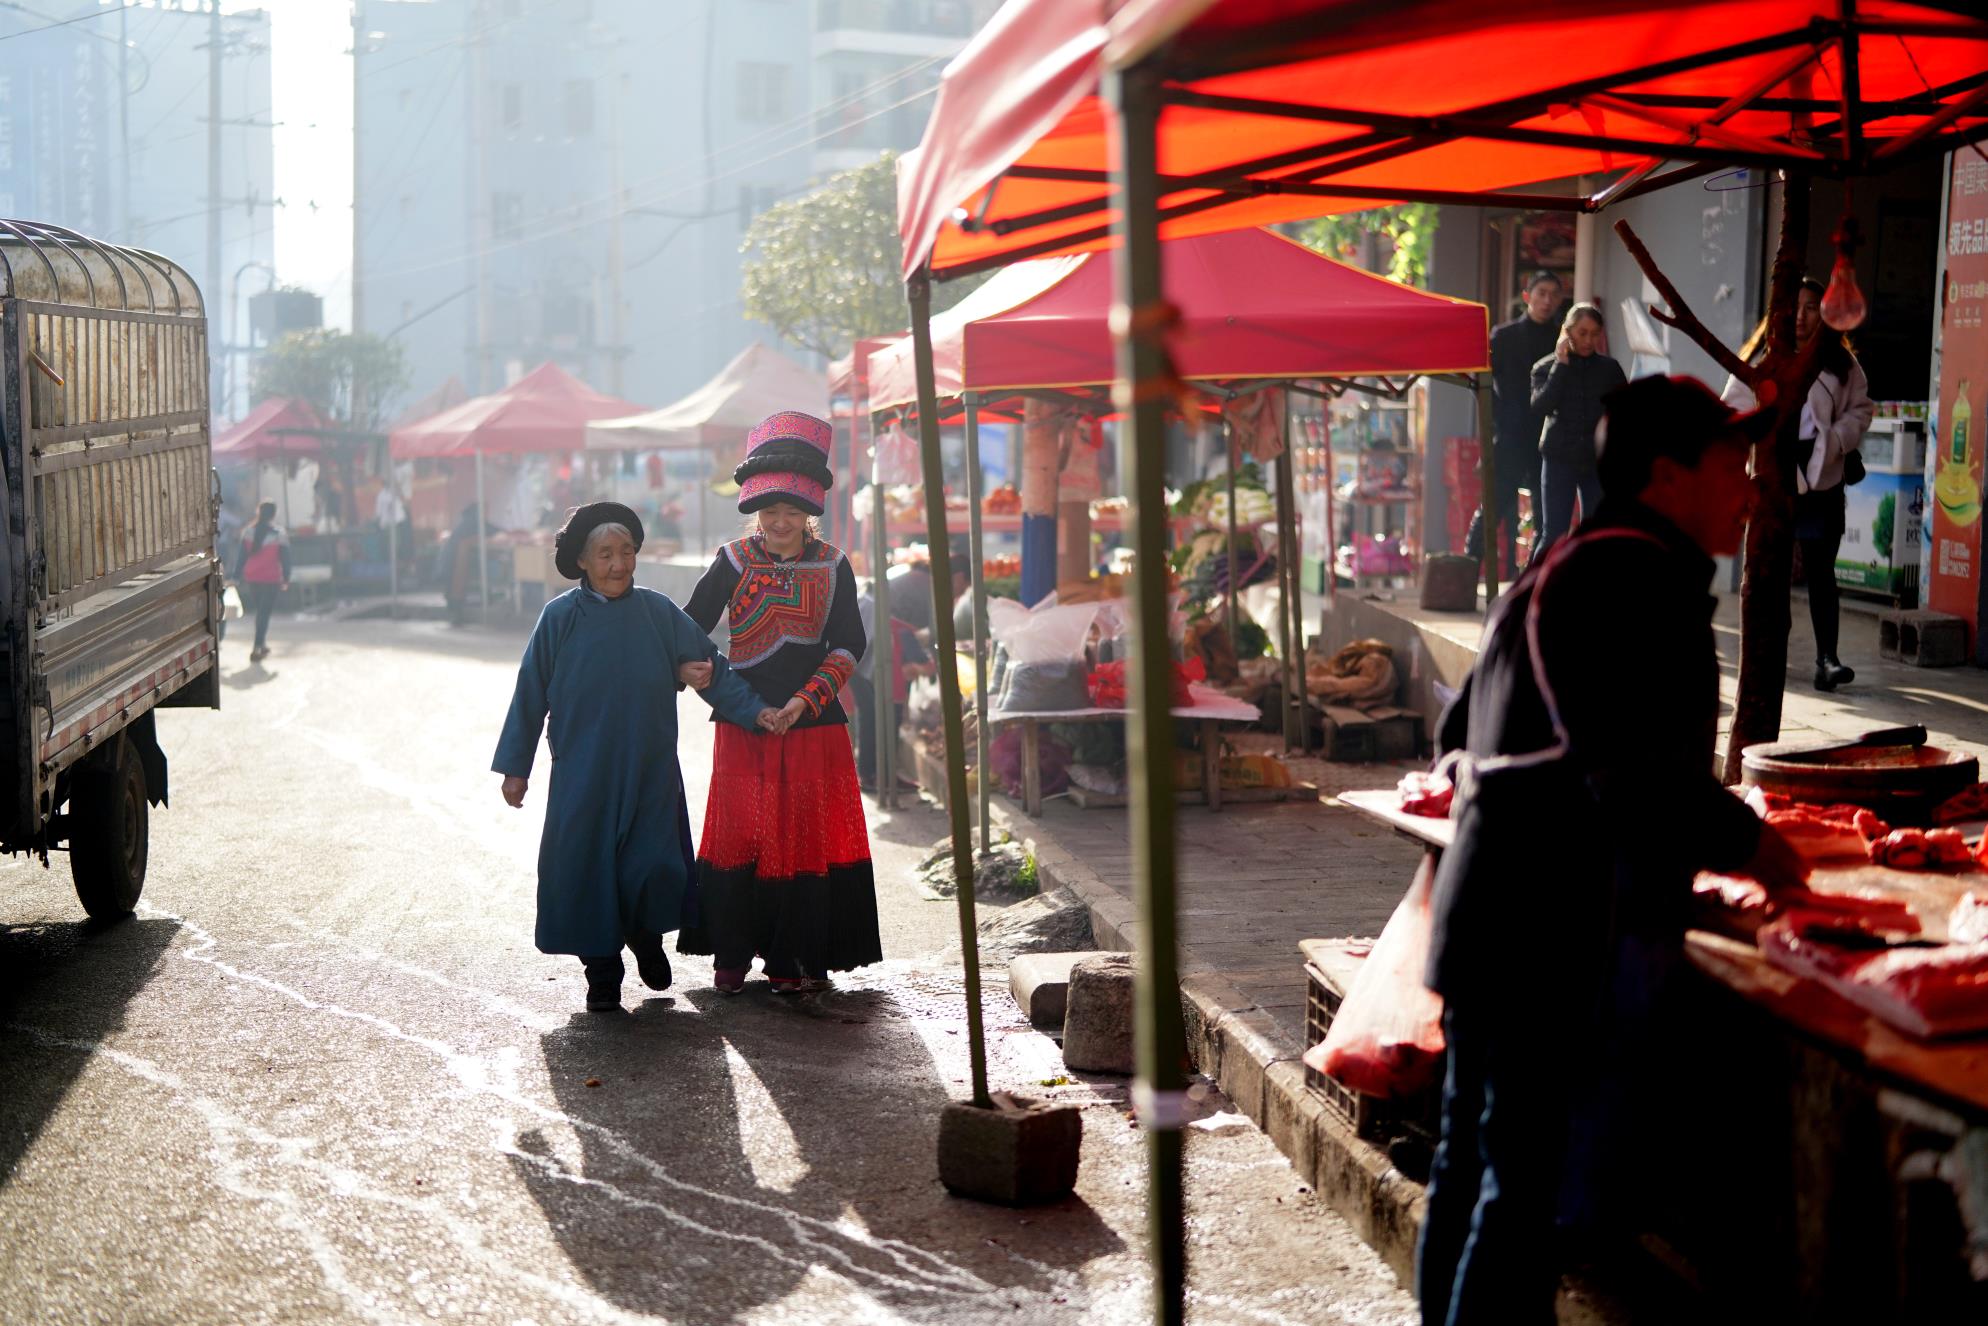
[1681,317]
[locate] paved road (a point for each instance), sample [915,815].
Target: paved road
[323,1076]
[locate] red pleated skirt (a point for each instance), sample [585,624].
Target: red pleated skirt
[785,807]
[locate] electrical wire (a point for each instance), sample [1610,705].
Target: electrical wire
[584,222]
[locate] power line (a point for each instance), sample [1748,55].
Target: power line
[63,23]
[584,222]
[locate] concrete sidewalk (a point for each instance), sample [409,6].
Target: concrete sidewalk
[1254,880]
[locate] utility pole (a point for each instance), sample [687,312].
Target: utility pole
[212,286]
[617,350]
[358,140]
[479,192]
[124,122]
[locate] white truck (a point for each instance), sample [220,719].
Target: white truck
[110,587]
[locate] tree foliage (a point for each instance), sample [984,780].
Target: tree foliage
[823,269]
[1407,230]
[321,367]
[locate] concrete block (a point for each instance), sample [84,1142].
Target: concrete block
[1019,1153]
[1097,1026]
[1923,637]
[1040,983]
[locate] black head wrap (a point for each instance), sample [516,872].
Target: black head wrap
[581,522]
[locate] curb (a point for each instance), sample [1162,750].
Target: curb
[1255,1062]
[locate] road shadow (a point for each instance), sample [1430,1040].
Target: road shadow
[242,679]
[62,983]
[737,1147]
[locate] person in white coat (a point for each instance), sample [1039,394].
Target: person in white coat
[1834,418]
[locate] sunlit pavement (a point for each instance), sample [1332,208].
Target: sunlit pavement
[324,1076]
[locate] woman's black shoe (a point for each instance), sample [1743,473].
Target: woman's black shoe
[1829,674]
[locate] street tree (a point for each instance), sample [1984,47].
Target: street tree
[1780,380]
[352,382]
[824,269]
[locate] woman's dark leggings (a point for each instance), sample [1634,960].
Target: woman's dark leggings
[1819,569]
[1819,533]
[261,602]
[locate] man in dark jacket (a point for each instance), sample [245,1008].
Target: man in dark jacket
[1515,347]
[1587,805]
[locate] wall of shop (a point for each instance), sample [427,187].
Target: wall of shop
[1706,237]
[1454,269]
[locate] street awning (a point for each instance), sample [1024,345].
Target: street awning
[545,411]
[276,429]
[1282,109]
[1252,305]
[445,397]
[848,377]
[758,382]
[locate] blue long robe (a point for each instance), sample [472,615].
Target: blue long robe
[615,857]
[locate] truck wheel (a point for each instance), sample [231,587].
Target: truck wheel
[109,819]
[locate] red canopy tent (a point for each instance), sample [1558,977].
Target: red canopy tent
[1281,109]
[546,410]
[276,429]
[1252,305]
[1064,127]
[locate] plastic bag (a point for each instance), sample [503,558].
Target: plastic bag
[1005,755]
[231,604]
[1045,648]
[1387,1037]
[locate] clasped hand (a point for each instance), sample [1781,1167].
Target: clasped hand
[697,676]
[779,720]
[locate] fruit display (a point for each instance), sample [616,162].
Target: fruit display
[1001,567]
[1003,501]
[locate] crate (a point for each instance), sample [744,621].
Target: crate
[1351,736]
[1374,1119]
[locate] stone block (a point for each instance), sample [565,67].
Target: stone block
[1019,1153]
[1097,1025]
[1040,983]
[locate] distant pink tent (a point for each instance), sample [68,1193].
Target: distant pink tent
[445,397]
[547,410]
[274,430]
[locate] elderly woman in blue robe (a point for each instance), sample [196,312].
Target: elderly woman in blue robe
[615,864]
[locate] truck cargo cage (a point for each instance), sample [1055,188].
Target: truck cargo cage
[109,583]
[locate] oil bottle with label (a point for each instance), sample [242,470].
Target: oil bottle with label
[1956,489]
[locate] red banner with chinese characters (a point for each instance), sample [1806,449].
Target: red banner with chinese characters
[1957,445]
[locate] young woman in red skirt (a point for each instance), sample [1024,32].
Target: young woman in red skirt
[784,870]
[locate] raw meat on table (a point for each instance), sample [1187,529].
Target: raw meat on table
[1426,794]
[1923,849]
[1928,990]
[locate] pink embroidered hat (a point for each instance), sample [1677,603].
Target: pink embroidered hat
[786,461]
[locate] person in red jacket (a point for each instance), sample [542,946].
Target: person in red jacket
[262,568]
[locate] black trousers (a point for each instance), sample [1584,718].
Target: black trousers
[1488,1252]
[1819,532]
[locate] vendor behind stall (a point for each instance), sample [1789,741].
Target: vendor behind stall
[1588,804]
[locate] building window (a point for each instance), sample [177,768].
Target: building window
[579,108]
[511,107]
[762,90]
[507,215]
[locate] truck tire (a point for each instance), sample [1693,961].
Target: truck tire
[109,826]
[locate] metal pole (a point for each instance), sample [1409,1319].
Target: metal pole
[1488,491]
[884,671]
[919,291]
[1229,455]
[1287,585]
[482,538]
[979,555]
[1141,392]
[358,217]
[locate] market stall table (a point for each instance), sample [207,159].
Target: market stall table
[1209,711]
